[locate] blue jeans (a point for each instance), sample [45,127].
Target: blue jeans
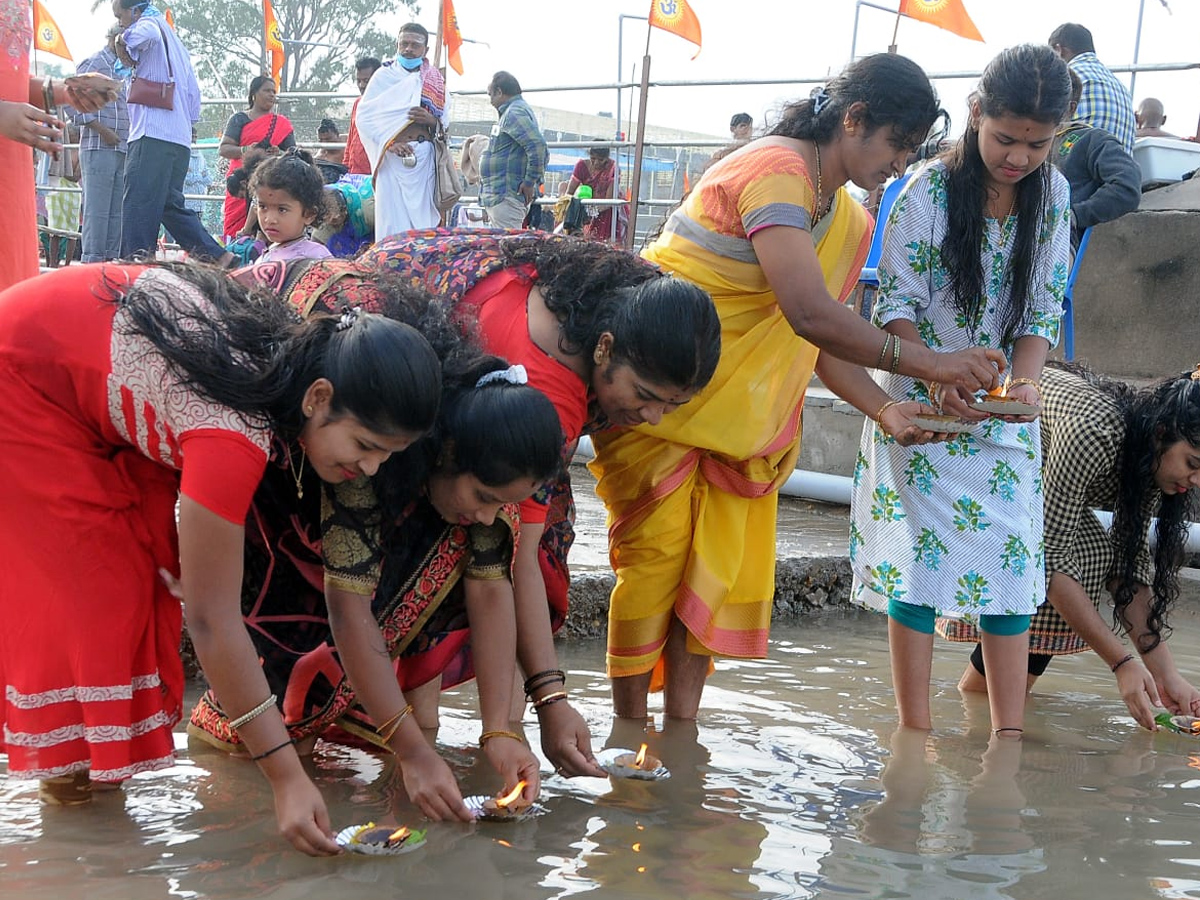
[103,172]
[154,173]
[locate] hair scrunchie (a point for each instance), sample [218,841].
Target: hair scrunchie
[512,375]
[349,317]
[820,99]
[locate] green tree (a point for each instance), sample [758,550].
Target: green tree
[225,40]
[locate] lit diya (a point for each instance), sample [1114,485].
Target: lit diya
[998,403]
[621,763]
[379,840]
[512,807]
[1189,725]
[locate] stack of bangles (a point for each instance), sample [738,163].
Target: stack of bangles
[488,735]
[891,344]
[540,680]
[48,95]
[253,714]
[387,729]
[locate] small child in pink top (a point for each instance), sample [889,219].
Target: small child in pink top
[290,198]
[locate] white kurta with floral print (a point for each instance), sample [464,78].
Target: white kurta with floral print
[958,525]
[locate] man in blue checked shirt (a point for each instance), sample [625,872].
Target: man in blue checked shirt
[514,163]
[103,136]
[1105,102]
[159,139]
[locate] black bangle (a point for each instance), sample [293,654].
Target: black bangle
[1122,661]
[289,742]
[540,679]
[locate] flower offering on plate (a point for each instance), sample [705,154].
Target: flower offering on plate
[379,840]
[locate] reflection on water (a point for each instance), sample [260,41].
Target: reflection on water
[797,783]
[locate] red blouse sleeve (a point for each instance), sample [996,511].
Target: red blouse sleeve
[221,471]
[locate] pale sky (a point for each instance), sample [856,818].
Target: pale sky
[565,42]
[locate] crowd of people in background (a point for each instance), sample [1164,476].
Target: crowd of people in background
[395,425]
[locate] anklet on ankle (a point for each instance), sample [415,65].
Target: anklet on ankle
[997,731]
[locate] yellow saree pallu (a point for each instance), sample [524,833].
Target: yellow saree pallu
[692,501]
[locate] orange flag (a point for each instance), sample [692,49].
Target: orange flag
[274,42]
[46,33]
[948,14]
[169,16]
[452,37]
[676,17]
[687,182]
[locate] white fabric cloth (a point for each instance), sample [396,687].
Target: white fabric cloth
[404,195]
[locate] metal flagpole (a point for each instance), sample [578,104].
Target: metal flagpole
[1137,46]
[635,185]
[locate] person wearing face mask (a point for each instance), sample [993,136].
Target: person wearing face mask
[398,115]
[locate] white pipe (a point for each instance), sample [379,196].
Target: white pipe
[836,489]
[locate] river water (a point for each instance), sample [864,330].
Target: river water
[796,783]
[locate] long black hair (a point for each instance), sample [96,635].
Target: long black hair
[1027,82]
[665,328]
[249,352]
[893,89]
[1155,418]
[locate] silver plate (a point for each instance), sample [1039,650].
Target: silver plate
[475,805]
[1185,724]
[946,425]
[607,760]
[345,839]
[997,406]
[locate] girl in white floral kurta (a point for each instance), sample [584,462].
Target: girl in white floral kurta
[975,254]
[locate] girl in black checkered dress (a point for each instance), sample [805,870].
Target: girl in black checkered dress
[1137,453]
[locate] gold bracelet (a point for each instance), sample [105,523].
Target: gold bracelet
[1029,381]
[392,725]
[253,714]
[548,699]
[883,351]
[885,408]
[488,735]
[934,390]
[895,355]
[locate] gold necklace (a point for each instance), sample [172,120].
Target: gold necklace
[820,195]
[297,474]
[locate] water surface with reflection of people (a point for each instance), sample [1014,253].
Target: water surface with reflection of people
[796,783]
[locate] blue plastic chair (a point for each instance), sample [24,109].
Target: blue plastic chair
[1068,319]
[869,278]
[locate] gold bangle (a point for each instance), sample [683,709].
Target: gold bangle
[253,714]
[895,355]
[548,699]
[934,390]
[1029,381]
[885,408]
[883,351]
[488,735]
[392,725]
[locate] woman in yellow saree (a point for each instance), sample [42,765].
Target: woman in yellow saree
[778,243]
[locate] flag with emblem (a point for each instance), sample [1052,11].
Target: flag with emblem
[452,37]
[273,46]
[676,17]
[46,33]
[948,14]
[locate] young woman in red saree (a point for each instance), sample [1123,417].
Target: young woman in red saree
[256,126]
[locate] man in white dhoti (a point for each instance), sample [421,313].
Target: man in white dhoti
[398,115]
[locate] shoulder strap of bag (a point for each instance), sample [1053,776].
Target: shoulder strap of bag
[166,48]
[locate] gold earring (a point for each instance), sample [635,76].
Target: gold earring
[308,409]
